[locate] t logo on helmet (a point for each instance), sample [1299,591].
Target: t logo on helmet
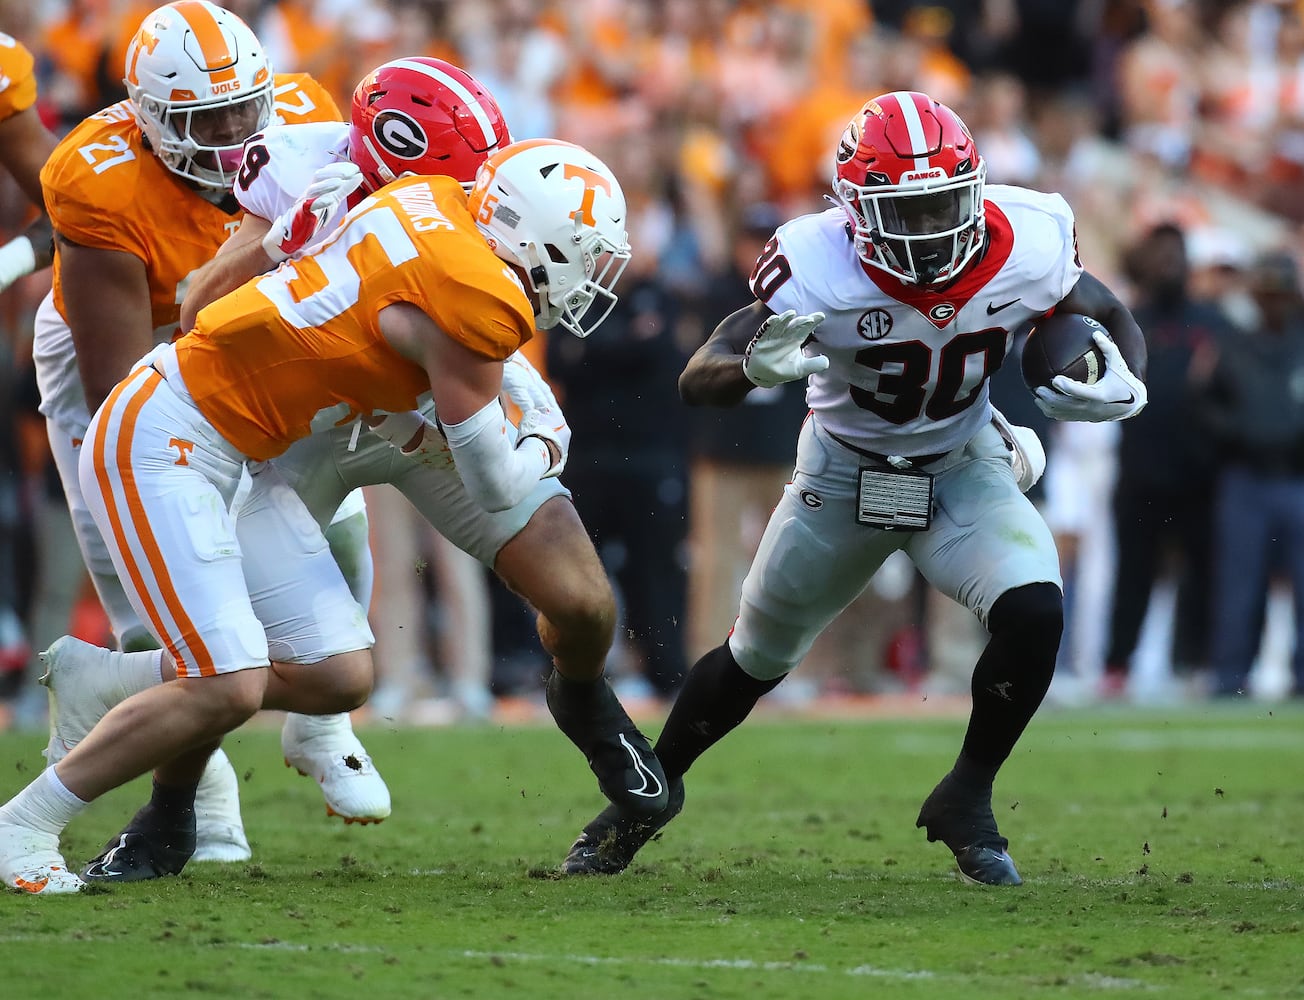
[144,40]
[592,181]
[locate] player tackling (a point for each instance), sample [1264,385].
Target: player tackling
[423,290]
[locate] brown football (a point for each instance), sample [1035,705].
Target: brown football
[1061,344]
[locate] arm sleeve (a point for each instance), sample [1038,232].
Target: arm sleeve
[498,471]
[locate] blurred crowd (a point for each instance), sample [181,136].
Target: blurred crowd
[1175,129]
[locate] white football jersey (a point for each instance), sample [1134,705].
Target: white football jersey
[279,164]
[908,366]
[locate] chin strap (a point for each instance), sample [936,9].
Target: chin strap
[386,174]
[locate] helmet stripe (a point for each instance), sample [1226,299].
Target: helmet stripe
[219,60]
[914,126]
[517,148]
[461,90]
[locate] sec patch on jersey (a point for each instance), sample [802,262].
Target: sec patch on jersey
[1061,344]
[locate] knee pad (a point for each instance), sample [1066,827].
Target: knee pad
[1034,612]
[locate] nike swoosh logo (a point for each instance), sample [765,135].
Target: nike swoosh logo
[32,887]
[649,779]
[100,868]
[993,308]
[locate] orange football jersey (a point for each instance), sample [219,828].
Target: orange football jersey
[17,79]
[300,350]
[105,189]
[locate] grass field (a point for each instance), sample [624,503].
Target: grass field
[1161,851]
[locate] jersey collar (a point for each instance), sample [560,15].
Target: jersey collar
[941,305]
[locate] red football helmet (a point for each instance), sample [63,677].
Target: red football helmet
[422,116]
[910,178]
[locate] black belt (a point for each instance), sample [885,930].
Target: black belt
[916,461]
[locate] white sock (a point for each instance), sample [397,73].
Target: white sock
[304,726]
[46,804]
[132,673]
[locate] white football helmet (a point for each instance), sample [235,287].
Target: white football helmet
[558,211]
[200,84]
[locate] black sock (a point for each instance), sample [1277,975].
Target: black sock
[584,709]
[580,695]
[1012,675]
[717,695]
[173,803]
[973,775]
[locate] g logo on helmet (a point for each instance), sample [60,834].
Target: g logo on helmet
[850,140]
[400,135]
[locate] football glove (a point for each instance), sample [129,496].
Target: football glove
[774,355]
[541,415]
[1116,395]
[314,213]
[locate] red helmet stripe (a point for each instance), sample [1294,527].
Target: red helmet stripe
[914,126]
[459,88]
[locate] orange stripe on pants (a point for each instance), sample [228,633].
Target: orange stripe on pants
[140,528]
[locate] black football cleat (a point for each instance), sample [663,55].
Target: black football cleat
[963,820]
[608,844]
[987,866]
[148,847]
[620,756]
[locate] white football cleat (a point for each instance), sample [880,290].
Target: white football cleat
[219,830]
[74,672]
[323,747]
[30,862]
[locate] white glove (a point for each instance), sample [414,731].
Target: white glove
[314,213]
[774,355]
[541,415]
[1116,395]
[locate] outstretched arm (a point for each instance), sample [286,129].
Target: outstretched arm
[259,245]
[240,258]
[25,144]
[752,347]
[714,374]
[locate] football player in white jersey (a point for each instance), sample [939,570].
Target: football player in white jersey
[896,306]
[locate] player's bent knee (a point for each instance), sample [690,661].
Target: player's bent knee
[229,700]
[758,663]
[346,680]
[1035,611]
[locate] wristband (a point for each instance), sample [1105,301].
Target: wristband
[17,259]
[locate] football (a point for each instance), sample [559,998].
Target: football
[1061,344]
